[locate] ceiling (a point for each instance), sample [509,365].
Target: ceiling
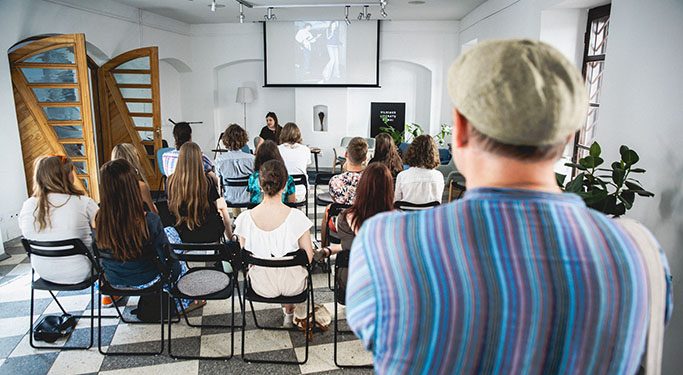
[197,11]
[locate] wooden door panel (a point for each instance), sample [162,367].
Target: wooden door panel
[52,100]
[129,92]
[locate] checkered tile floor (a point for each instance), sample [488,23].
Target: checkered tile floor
[17,357]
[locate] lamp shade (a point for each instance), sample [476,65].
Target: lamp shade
[244,95]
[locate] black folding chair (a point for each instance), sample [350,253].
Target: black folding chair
[341,262]
[107,289]
[322,199]
[334,210]
[58,249]
[408,206]
[301,180]
[205,283]
[238,182]
[295,258]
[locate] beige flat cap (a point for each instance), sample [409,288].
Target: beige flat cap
[519,92]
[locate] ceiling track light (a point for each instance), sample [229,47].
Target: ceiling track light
[213,6]
[382,10]
[346,15]
[270,16]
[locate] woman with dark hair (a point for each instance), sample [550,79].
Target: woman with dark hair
[374,194]
[132,236]
[421,183]
[270,132]
[272,230]
[386,153]
[266,152]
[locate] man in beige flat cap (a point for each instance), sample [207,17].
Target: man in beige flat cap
[516,277]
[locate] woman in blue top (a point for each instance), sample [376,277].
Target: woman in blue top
[268,151]
[133,237]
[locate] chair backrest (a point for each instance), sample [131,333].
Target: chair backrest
[323,178]
[409,206]
[295,258]
[235,182]
[55,249]
[301,180]
[336,208]
[444,156]
[205,252]
[342,260]
[160,161]
[345,141]
[107,288]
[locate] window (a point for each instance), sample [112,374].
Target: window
[595,49]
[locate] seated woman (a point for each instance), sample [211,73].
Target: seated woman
[266,152]
[273,229]
[127,152]
[200,212]
[270,132]
[374,194]
[296,156]
[235,163]
[421,183]
[58,210]
[132,236]
[386,153]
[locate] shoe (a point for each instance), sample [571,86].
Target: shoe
[109,301]
[288,321]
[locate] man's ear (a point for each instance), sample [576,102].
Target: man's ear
[460,129]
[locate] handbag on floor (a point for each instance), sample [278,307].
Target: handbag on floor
[53,327]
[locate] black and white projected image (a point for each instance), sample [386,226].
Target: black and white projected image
[321,52]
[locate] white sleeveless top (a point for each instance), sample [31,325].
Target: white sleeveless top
[277,242]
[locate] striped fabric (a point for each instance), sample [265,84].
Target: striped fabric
[501,282]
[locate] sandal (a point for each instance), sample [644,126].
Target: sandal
[195,305]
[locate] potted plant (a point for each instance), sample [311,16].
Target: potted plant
[608,190]
[443,136]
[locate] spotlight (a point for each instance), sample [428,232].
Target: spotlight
[213,6]
[346,15]
[241,13]
[367,15]
[383,11]
[360,16]
[270,16]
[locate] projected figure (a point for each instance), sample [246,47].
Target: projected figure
[333,44]
[306,40]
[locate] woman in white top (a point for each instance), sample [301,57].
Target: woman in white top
[271,230]
[58,210]
[421,183]
[297,157]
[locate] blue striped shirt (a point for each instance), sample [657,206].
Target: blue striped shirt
[502,281]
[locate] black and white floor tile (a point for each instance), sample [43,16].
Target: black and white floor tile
[17,356]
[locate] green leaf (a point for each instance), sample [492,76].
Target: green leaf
[632,186]
[627,197]
[642,193]
[588,162]
[638,170]
[577,166]
[617,165]
[623,149]
[559,178]
[595,150]
[598,160]
[630,157]
[594,196]
[618,176]
[575,185]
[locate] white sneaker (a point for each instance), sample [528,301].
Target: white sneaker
[288,321]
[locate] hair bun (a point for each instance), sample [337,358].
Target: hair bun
[272,177]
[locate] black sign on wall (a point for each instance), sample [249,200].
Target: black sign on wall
[394,112]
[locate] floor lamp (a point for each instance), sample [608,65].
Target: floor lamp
[244,96]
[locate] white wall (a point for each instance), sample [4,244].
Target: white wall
[640,105]
[111,27]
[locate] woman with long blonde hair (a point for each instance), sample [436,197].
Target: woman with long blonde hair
[200,212]
[127,152]
[58,210]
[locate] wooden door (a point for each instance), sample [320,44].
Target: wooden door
[129,106]
[52,98]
